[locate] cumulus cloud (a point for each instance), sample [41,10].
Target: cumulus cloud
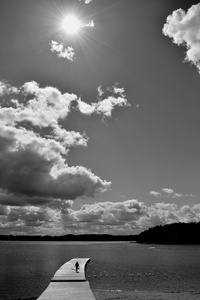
[67,53]
[166,192]
[129,216]
[183,28]
[111,213]
[34,147]
[37,186]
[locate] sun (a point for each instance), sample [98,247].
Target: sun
[71,24]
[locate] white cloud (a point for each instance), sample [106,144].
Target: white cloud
[106,106]
[85,108]
[166,192]
[156,194]
[115,97]
[70,138]
[183,28]
[89,24]
[112,213]
[100,91]
[45,108]
[67,53]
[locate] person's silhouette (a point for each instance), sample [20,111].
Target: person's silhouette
[77,266]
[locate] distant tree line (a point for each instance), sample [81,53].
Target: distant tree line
[176,233]
[70,237]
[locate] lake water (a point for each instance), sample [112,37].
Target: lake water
[27,267]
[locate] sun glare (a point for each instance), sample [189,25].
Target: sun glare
[71,25]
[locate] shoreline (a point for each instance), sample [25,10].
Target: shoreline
[101,294]
[145,295]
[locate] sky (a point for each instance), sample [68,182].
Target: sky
[99,115]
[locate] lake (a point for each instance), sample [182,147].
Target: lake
[27,267]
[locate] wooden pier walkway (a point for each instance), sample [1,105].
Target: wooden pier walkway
[66,284]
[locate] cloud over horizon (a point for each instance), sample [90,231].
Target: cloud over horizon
[183,28]
[127,217]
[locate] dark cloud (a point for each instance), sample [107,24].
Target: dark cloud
[33,167]
[28,173]
[37,186]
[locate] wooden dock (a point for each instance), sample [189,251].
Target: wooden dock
[66,284]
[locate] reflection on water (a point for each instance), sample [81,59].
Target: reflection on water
[27,267]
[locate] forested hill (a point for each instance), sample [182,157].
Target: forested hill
[177,233]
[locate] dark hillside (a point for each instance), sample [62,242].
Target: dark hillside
[177,233]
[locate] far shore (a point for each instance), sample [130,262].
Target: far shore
[71,238]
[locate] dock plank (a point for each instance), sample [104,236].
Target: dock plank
[66,284]
[68,291]
[67,272]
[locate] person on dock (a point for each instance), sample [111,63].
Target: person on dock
[77,266]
